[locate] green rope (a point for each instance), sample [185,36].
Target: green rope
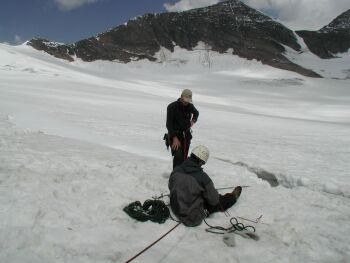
[235,226]
[154,210]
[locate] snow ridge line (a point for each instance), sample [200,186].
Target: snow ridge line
[287,181]
[261,173]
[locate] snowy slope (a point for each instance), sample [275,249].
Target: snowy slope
[79,141]
[337,68]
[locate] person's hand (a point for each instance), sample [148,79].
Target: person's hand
[176,144]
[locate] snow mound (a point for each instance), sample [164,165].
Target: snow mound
[334,189]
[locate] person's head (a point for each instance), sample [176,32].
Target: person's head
[200,154]
[186,96]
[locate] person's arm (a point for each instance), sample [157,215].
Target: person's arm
[170,121]
[195,114]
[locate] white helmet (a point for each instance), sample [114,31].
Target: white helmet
[201,152]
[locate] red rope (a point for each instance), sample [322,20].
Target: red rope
[131,259]
[185,149]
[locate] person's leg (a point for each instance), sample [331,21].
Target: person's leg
[178,157]
[229,199]
[180,153]
[212,208]
[188,138]
[225,201]
[188,143]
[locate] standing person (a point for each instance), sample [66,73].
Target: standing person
[192,192]
[181,116]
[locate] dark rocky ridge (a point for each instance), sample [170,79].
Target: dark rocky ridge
[331,39]
[55,49]
[224,26]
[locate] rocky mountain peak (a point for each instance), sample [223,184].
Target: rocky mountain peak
[236,9]
[340,23]
[330,40]
[229,25]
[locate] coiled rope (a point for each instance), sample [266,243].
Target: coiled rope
[154,210]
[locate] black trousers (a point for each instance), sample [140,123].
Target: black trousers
[225,202]
[181,154]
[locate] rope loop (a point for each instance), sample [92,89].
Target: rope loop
[235,226]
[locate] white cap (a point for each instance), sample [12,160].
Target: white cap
[201,152]
[186,95]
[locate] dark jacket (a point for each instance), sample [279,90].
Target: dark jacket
[191,188]
[179,118]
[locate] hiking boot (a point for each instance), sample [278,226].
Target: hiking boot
[237,192]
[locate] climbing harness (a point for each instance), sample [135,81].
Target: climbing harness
[166,140]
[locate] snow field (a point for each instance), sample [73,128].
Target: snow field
[79,141]
[62,201]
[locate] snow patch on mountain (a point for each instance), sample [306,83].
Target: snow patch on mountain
[337,67]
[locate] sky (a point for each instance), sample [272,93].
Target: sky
[68,21]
